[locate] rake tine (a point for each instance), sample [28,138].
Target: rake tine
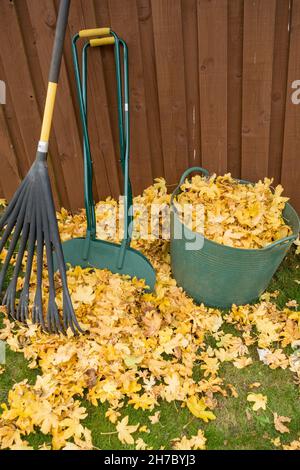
[10,295]
[17,199]
[22,309]
[37,310]
[13,242]
[13,219]
[53,319]
[69,317]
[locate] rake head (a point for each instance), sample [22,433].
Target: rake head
[30,217]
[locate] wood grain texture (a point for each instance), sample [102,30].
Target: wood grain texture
[124,20]
[168,39]
[290,159]
[210,82]
[235,85]
[191,68]
[259,30]
[279,88]
[212,34]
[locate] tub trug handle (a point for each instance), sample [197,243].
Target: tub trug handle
[283,241]
[193,169]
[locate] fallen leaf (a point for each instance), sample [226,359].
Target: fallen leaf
[259,401]
[125,430]
[198,409]
[242,362]
[255,385]
[155,418]
[276,442]
[279,423]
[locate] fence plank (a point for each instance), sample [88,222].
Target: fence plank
[259,26]
[290,160]
[9,171]
[19,83]
[235,85]
[280,71]
[124,20]
[151,89]
[167,25]
[191,67]
[10,178]
[212,30]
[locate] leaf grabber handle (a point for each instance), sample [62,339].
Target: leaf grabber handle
[89,33]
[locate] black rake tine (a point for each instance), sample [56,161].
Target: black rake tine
[53,319]
[13,203]
[69,317]
[22,309]
[13,219]
[37,310]
[10,295]
[13,242]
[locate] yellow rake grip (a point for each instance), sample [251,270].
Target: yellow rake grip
[48,113]
[87,33]
[102,41]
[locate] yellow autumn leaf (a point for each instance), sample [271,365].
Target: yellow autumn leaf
[155,418]
[194,443]
[276,442]
[140,444]
[83,294]
[125,430]
[255,385]
[112,415]
[279,423]
[198,408]
[259,401]
[242,362]
[294,445]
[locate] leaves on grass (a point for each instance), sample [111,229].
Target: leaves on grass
[194,443]
[142,348]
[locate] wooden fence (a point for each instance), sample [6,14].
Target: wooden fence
[210,80]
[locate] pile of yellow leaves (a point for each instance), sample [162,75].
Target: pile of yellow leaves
[235,214]
[139,349]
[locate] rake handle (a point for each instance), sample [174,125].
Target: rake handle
[58,47]
[57,53]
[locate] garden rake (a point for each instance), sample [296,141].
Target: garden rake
[31,220]
[90,251]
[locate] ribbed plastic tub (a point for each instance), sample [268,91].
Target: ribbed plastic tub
[220,275]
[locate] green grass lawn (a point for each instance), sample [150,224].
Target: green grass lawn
[237,426]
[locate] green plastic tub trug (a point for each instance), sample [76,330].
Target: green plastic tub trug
[220,275]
